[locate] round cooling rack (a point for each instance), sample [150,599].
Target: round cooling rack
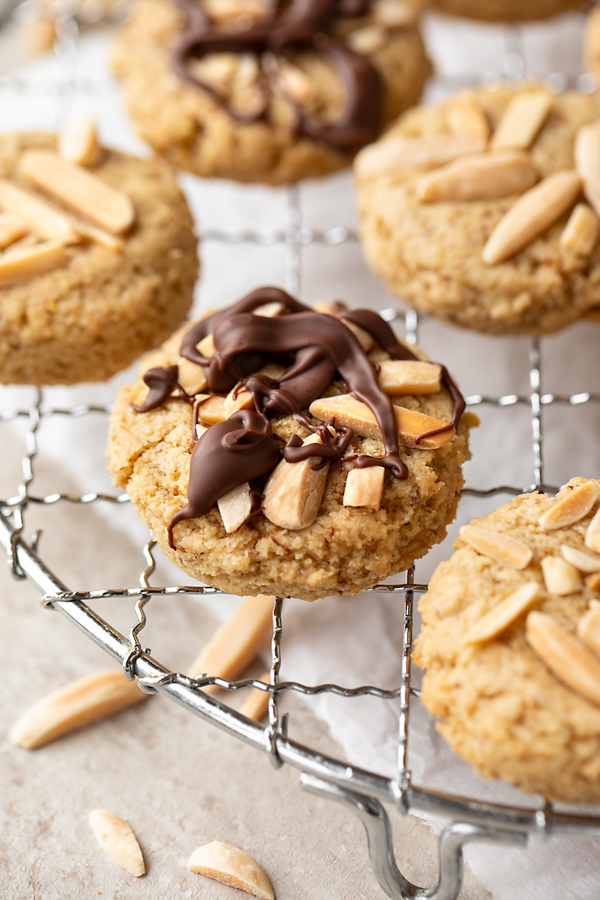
[357,788]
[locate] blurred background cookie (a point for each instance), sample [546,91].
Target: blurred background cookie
[505,10]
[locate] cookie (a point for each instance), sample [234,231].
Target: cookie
[511,643]
[483,210]
[225,451]
[262,92]
[591,46]
[97,258]
[505,10]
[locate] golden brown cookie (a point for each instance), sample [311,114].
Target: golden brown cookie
[230,90]
[97,258]
[505,10]
[511,643]
[276,502]
[483,210]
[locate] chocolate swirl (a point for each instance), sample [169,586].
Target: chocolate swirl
[298,25]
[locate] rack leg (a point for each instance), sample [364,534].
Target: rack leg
[381,851]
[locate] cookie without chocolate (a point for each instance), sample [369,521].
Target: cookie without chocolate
[511,643]
[98,262]
[505,10]
[479,211]
[232,90]
[311,523]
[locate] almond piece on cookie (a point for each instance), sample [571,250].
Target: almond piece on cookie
[233,867]
[505,550]
[401,155]
[566,656]
[407,376]
[364,487]
[560,577]
[465,116]
[78,142]
[583,561]
[235,507]
[486,176]
[118,841]
[504,614]
[592,535]
[521,121]
[571,505]
[581,231]
[12,228]
[41,218]
[19,264]
[191,377]
[294,491]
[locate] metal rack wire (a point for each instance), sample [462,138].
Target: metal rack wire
[363,791]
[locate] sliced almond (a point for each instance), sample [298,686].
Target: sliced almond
[407,376]
[587,162]
[364,487]
[212,411]
[363,337]
[504,614]
[235,507]
[27,262]
[12,228]
[294,491]
[592,582]
[505,550]
[581,231]
[294,82]
[237,398]
[401,155]
[583,561]
[465,116]
[257,702]
[233,867]
[206,347]
[81,190]
[99,236]
[588,629]
[41,218]
[118,841]
[592,535]
[236,643]
[200,430]
[190,376]
[568,658]
[248,70]
[74,706]
[560,577]
[78,142]
[217,70]
[532,214]
[485,176]
[351,413]
[394,13]
[522,120]
[368,39]
[572,504]
[269,310]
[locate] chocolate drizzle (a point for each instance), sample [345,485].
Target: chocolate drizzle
[314,349]
[297,25]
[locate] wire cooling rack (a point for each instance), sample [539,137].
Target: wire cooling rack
[357,788]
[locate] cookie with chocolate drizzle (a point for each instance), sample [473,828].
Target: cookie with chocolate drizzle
[268,90]
[274,448]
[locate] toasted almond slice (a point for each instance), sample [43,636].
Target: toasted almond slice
[27,262]
[235,507]
[257,702]
[74,706]
[401,155]
[532,214]
[206,347]
[200,430]
[76,187]
[593,581]
[233,867]
[269,310]
[572,504]
[394,13]
[505,550]
[190,376]
[364,487]
[217,70]
[12,228]
[351,413]
[237,642]
[560,577]
[294,82]
[363,337]
[568,658]
[504,614]
[485,176]
[78,142]
[465,116]
[581,231]
[294,491]
[41,218]
[407,376]
[247,72]
[272,370]
[237,398]
[583,561]
[367,40]
[522,120]
[325,309]
[592,535]
[99,236]
[212,411]
[588,629]
[587,162]
[118,841]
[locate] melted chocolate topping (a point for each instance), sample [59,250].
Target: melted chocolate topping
[301,24]
[314,350]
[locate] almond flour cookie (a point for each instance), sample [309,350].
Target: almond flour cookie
[97,257]
[258,472]
[483,210]
[268,92]
[511,643]
[505,10]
